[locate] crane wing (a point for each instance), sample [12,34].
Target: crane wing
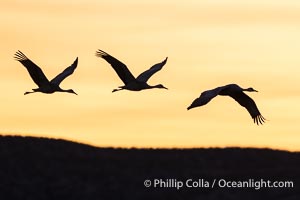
[35,71]
[67,72]
[245,101]
[144,77]
[205,97]
[120,68]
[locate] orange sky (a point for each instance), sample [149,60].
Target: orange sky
[209,43]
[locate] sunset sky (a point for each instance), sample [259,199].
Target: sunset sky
[209,43]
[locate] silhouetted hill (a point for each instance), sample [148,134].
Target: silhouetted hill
[39,168]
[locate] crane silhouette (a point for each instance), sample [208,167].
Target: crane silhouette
[132,83]
[37,75]
[235,92]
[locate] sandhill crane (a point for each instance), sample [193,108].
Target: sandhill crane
[37,75]
[236,92]
[132,83]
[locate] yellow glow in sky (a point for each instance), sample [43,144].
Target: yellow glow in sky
[209,44]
